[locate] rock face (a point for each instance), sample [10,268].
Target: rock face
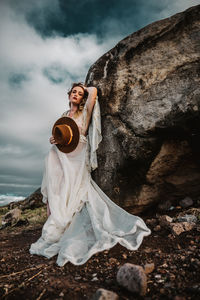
[149,94]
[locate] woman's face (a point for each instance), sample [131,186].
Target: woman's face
[76,95]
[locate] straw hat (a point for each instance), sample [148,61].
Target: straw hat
[66,133]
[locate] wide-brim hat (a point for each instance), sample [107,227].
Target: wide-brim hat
[66,133]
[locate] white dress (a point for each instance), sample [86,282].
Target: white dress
[83,220]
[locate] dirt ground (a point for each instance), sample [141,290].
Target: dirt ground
[24,276]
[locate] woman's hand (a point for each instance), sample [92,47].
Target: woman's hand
[91,89]
[52,140]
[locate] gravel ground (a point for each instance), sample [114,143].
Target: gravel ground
[175,276]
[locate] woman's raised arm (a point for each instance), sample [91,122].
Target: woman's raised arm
[92,93]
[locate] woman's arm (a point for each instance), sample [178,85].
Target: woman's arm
[92,93]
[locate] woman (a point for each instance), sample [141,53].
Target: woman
[82,220]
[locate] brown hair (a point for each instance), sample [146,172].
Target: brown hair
[82,103]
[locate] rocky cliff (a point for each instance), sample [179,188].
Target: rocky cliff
[149,95]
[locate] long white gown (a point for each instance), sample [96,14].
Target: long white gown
[83,219]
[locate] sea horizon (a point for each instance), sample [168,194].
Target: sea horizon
[8,198]
[15,192]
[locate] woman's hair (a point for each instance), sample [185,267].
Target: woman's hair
[82,103]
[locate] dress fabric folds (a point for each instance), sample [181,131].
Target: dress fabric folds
[83,219]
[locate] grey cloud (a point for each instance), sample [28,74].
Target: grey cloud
[56,73]
[17,79]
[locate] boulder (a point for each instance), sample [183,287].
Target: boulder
[149,95]
[102,294]
[149,268]
[133,278]
[11,217]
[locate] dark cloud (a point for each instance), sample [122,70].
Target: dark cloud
[91,16]
[100,17]
[72,17]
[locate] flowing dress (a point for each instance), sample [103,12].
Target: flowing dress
[83,219]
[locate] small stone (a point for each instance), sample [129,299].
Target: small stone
[171,208]
[170,236]
[164,265]
[188,226]
[165,220]
[160,280]
[177,228]
[172,277]
[157,228]
[61,294]
[11,217]
[148,268]
[77,277]
[94,279]
[112,260]
[187,218]
[148,250]
[133,278]
[102,294]
[151,222]
[186,202]
[182,257]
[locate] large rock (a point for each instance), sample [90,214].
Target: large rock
[31,202]
[11,217]
[133,278]
[149,94]
[102,294]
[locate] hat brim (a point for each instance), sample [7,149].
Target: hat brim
[76,134]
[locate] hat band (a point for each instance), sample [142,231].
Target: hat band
[71,133]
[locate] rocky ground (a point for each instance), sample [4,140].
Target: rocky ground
[172,249]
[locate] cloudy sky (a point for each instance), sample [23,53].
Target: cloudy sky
[45,45]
